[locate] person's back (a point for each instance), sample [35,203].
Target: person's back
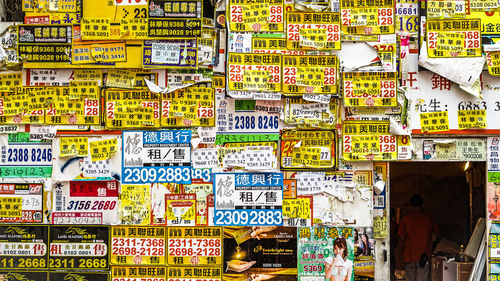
[416,230]
[417,227]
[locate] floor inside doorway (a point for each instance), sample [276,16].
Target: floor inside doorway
[453,193]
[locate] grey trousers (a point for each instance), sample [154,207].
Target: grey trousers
[416,273]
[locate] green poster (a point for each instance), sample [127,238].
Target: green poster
[325,254]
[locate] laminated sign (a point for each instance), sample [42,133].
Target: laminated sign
[44,43]
[24,246]
[368,140]
[169,53]
[20,157]
[85,202]
[246,116]
[21,202]
[186,273]
[317,255]
[260,16]
[308,149]
[174,18]
[138,245]
[310,75]
[454,38]
[407,16]
[313,31]
[137,273]
[194,246]
[248,151]
[248,198]
[79,247]
[156,156]
[268,248]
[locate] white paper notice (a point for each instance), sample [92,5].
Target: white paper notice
[165,53]
[204,158]
[97,169]
[42,132]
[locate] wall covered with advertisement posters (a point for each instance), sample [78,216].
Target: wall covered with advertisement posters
[232,140]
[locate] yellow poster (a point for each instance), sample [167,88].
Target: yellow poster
[138,245]
[185,273]
[103,149]
[78,104]
[10,82]
[194,246]
[368,141]
[370,89]
[189,107]
[434,121]
[11,207]
[95,28]
[472,119]
[454,38]
[310,75]
[180,209]
[256,16]
[308,149]
[367,17]
[14,107]
[137,273]
[275,44]
[73,146]
[493,62]
[297,211]
[254,72]
[132,109]
[135,204]
[313,31]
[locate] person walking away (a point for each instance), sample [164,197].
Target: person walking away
[416,231]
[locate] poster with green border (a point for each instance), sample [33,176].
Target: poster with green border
[325,253]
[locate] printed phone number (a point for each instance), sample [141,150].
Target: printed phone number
[249,122]
[204,252]
[138,242]
[157,174]
[248,217]
[96,205]
[129,251]
[26,155]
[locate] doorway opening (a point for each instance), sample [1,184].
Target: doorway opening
[453,195]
